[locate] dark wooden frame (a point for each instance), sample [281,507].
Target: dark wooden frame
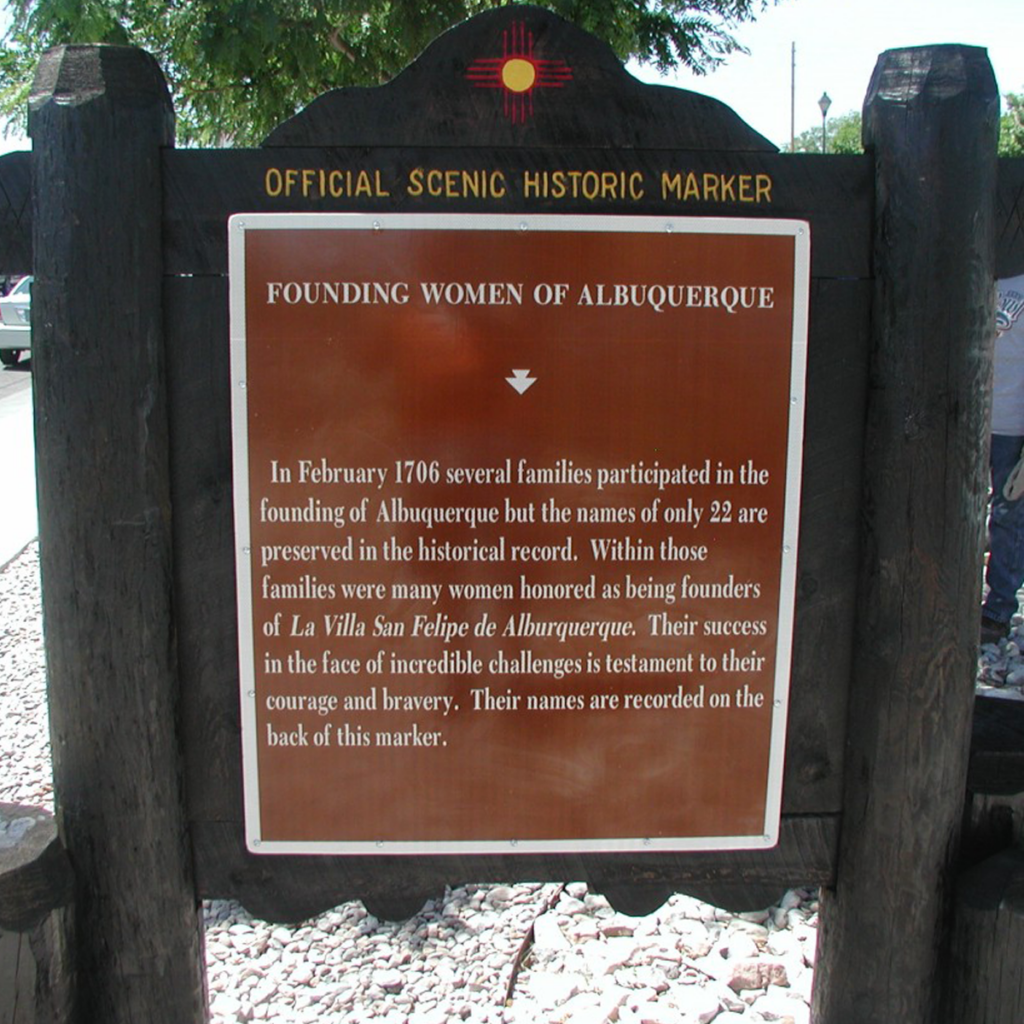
[163,685]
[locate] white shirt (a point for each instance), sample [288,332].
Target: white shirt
[1008,386]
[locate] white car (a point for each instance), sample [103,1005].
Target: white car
[16,322]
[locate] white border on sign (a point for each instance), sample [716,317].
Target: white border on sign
[238,225]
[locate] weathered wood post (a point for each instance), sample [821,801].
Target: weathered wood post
[36,920]
[98,119]
[930,120]
[986,979]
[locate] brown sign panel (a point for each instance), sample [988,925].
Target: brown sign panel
[516,512]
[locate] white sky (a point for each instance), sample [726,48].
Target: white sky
[837,44]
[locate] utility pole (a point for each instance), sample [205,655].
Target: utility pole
[823,104]
[792,97]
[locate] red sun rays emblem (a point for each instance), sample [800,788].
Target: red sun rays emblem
[517,73]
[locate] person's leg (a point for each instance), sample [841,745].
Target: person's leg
[1005,572]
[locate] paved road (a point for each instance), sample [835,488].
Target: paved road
[19,522]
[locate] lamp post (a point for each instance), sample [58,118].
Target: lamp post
[824,103]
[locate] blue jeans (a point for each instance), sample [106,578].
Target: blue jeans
[1005,572]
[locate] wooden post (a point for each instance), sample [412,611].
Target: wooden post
[986,976]
[98,117]
[36,982]
[930,120]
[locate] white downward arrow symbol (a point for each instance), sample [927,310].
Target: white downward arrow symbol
[521,381]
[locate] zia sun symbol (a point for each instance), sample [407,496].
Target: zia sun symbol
[518,73]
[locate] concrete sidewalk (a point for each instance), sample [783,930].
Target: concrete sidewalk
[19,521]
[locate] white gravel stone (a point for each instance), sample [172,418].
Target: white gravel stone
[500,895]
[583,929]
[552,990]
[571,906]
[740,947]
[548,934]
[747,975]
[618,926]
[782,1007]
[703,1005]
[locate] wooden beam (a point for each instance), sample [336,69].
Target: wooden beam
[930,119]
[98,119]
[986,977]
[36,919]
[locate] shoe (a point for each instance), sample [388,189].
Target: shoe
[992,630]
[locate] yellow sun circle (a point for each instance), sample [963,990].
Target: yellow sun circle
[518,75]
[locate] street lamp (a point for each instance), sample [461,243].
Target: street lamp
[824,103]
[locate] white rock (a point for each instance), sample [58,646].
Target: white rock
[301,975]
[547,934]
[792,899]
[810,948]
[778,1007]
[703,1005]
[743,975]
[758,932]
[730,1000]
[618,926]
[499,895]
[658,953]
[584,1008]
[584,929]
[226,1007]
[552,990]
[755,916]
[660,1013]
[389,980]
[262,993]
[740,946]
[784,943]
[608,956]
[694,937]
[570,905]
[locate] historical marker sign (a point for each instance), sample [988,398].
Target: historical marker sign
[516,513]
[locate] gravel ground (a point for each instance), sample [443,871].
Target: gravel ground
[502,954]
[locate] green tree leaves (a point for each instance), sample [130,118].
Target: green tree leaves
[239,67]
[843,132]
[842,135]
[1011,126]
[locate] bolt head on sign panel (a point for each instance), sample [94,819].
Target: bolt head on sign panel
[516,506]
